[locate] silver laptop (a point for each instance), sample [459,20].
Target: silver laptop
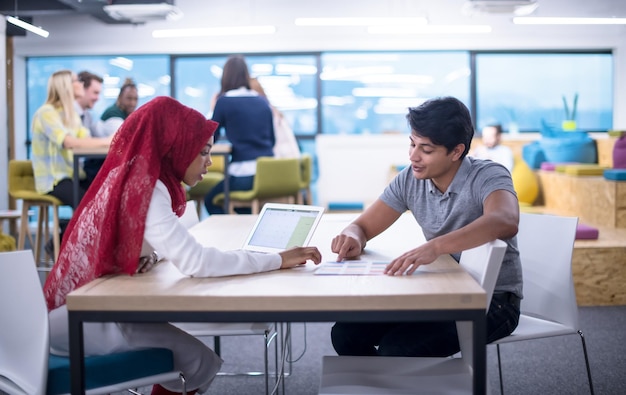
[282,226]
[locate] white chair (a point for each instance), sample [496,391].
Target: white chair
[202,330]
[406,375]
[26,365]
[549,306]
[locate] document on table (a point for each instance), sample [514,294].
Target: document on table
[353,268]
[367,268]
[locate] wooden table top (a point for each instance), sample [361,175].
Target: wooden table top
[217,149]
[439,286]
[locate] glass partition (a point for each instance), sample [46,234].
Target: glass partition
[150,73]
[526,91]
[289,81]
[370,92]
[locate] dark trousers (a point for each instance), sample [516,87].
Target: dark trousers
[64,191]
[421,339]
[234,184]
[92,167]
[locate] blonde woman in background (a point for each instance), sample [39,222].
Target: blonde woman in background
[57,129]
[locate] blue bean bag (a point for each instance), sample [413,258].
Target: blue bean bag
[574,148]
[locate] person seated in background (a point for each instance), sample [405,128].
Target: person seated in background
[57,129]
[133,206]
[459,203]
[84,104]
[247,120]
[111,120]
[492,148]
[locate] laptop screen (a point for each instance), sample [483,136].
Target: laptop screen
[282,226]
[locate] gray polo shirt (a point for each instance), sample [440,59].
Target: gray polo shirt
[440,213]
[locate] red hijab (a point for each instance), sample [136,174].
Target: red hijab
[157,141]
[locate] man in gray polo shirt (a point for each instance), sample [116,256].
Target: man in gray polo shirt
[460,203]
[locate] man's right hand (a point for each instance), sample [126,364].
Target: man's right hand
[346,247]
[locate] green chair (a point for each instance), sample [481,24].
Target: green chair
[22,186]
[306,162]
[275,179]
[209,180]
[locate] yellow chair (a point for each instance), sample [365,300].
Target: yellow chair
[275,179]
[209,180]
[22,186]
[306,163]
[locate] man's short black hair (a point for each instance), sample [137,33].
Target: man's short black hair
[445,121]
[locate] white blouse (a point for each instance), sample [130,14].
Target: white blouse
[175,243]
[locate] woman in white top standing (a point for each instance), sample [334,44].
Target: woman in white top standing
[286,144]
[132,206]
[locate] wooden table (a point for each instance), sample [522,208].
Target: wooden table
[440,291]
[101,152]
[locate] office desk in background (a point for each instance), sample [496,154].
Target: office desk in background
[101,152]
[440,291]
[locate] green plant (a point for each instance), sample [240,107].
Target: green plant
[571,116]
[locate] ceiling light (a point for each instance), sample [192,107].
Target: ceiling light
[517,7]
[354,21]
[354,73]
[568,21]
[140,13]
[383,92]
[122,63]
[430,29]
[214,31]
[405,79]
[27,26]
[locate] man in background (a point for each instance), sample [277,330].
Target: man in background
[493,149]
[84,104]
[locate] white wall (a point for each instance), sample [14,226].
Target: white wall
[4,143]
[83,35]
[356,168]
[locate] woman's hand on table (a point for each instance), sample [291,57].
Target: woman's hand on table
[299,256]
[147,262]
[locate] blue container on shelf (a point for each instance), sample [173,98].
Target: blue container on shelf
[569,147]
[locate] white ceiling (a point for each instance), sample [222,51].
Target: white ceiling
[283,12]
[76,33]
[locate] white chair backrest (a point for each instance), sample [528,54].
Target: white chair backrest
[190,217]
[483,263]
[24,337]
[546,244]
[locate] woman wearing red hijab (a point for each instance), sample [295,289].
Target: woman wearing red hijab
[133,205]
